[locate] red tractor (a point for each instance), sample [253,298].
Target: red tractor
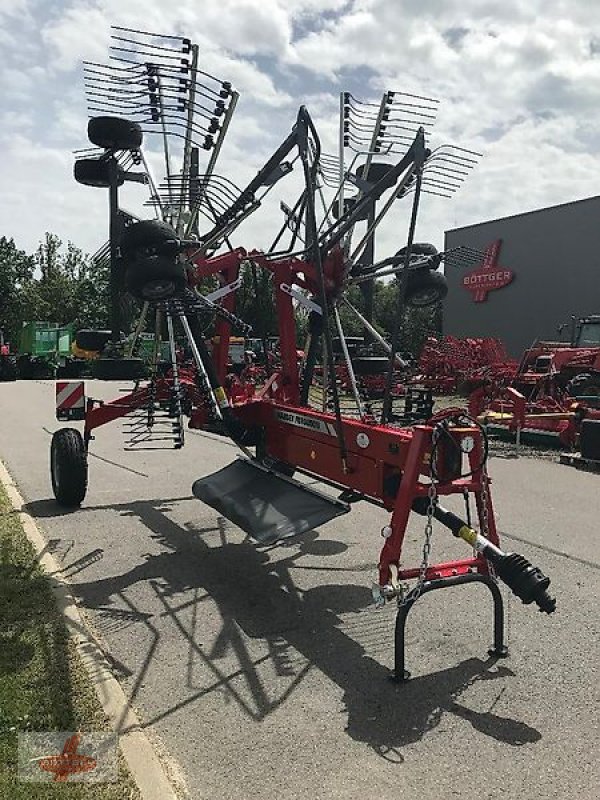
[558,368]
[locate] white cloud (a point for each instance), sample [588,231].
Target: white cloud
[519,81]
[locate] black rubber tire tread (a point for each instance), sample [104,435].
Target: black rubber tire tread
[118,369]
[68,451]
[584,384]
[95,172]
[143,272]
[87,339]
[421,280]
[420,249]
[115,133]
[145,235]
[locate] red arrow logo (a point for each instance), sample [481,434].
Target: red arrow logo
[488,275]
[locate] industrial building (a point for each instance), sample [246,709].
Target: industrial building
[538,269]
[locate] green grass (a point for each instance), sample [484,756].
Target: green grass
[43,686]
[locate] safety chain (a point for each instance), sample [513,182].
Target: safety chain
[414,595]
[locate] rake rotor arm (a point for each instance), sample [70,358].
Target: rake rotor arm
[248,193]
[339,229]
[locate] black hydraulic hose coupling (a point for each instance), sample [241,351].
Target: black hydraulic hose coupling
[526,581]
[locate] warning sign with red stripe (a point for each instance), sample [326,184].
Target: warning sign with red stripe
[70,399]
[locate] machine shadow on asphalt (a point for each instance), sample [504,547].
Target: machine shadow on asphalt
[258,599]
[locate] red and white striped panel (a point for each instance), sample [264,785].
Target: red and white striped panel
[70,396]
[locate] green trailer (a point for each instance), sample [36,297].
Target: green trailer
[45,351]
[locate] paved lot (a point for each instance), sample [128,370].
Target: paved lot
[264,671]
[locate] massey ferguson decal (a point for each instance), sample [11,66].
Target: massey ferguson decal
[302,421]
[488,275]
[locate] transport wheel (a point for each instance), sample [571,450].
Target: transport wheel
[155,278]
[96,172]
[114,133]
[68,467]
[425,288]
[118,369]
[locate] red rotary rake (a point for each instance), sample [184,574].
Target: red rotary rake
[402,463]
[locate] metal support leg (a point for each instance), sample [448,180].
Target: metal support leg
[499,649]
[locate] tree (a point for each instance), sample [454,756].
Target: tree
[71,288]
[16,273]
[255,303]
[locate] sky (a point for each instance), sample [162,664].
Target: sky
[517,81]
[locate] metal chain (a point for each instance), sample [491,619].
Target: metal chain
[427,543]
[484,502]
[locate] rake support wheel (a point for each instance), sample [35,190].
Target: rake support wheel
[96,172]
[155,278]
[425,288]
[115,133]
[68,467]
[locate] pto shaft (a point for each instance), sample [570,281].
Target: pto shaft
[525,581]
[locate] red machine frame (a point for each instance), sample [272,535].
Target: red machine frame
[386,465]
[398,467]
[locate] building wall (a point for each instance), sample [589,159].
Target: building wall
[554,254]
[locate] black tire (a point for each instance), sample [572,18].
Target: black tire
[96,172]
[420,249]
[115,133]
[92,340]
[24,368]
[43,370]
[118,369]
[68,467]
[8,368]
[145,237]
[585,384]
[425,288]
[155,278]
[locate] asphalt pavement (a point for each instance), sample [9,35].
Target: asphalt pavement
[264,672]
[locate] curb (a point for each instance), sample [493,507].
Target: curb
[141,757]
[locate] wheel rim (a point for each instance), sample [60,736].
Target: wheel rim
[158,290]
[425,298]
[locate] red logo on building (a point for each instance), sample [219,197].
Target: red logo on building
[488,275]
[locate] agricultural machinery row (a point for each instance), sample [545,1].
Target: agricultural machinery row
[403,460]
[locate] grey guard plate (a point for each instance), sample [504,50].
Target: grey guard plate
[264,504]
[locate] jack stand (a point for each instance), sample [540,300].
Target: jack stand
[499,649]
